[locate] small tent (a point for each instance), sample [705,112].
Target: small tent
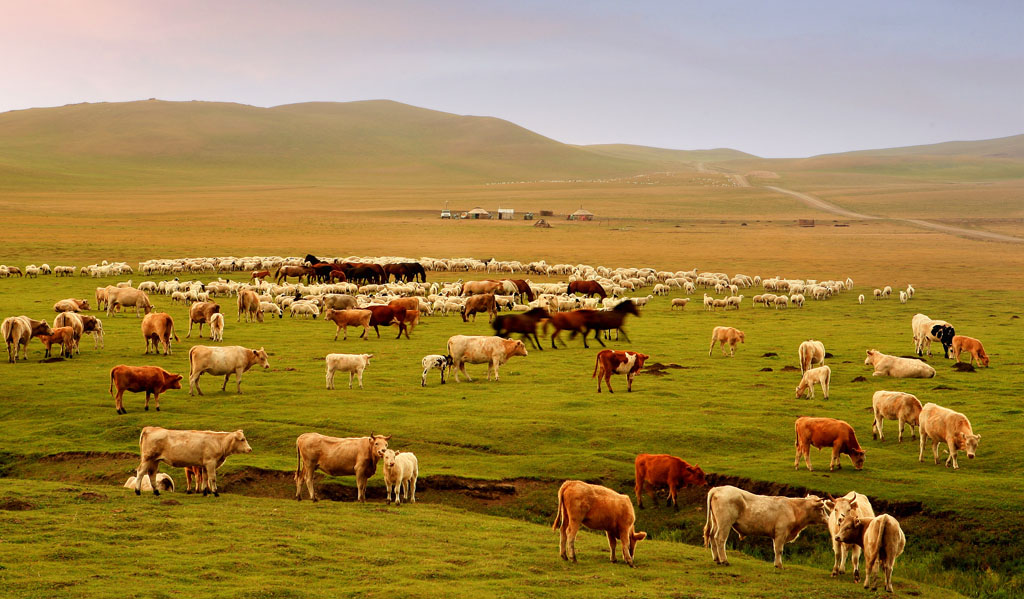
[581,214]
[478,213]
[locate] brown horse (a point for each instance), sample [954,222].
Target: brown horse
[524,288]
[574,320]
[284,272]
[587,288]
[608,320]
[525,324]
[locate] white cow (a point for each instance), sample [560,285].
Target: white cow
[809,353]
[222,361]
[164,482]
[946,426]
[883,541]
[894,405]
[821,375]
[851,505]
[401,469]
[476,349]
[353,364]
[902,368]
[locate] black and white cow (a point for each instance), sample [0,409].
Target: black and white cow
[438,361]
[927,330]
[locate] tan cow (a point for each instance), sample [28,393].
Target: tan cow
[71,305]
[851,505]
[726,335]
[337,457]
[64,336]
[101,298]
[218,361]
[349,318]
[128,297]
[597,508]
[478,349]
[901,368]
[780,518]
[158,328]
[73,320]
[894,405]
[17,331]
[480,287]
[962,343]
[249,303]
[206,449]
[811,352]
[200,313]
[882,539]
[946,426]
[479,303]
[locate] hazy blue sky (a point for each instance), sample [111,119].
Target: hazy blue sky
[772,78]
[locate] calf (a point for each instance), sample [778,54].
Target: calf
[946,426]
[217,327]
[597,508]
[164,482]
[65,336]
[353,364]
[903,368]
[401,469]
[667,470]
[972,346]
[151,379]
[894,405]
[611,362]
[780,518]
[821,375]
[442,363]
[346,318]
[71,305]
[200,313]
[852,505]
[826,432]
[882,539]
[206,449]
[726,335]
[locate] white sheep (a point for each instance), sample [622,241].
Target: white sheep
[680,302]
[860,299]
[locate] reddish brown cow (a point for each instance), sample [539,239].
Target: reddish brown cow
[200,314]
[151,379]
[962,343]
[611,362]
[386,315]
[827,432]
[479,303]
[65,336]
[663,469]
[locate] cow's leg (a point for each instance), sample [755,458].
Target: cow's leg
[951,443]
[639,490]
[143,469]
[573,529]
[361,486]
[608,381]
[387,491]
[146,408]
[899,438]
[189,329]
[412,489]
[855,552]
[876,428]
[562,541]
[839,558]
[423,380]
[835,459]
[462,367]
[152,469]
[193,383]
[721,536]
[338,330]
[779,543]
[238,380]
[887,569]
[190,476]
[935,449]
[350,379]
[611,546]
[920,455]
[330,378]
[309,483]
[224,387]
[211,477]
[119,402]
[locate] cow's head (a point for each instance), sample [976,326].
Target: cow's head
[640,358]
[39,327]
[259,356]
[851,530]
[872,356]
[389,458]
[378,445]
[238,442]
[634,538]
[84,305]
[802,387]
[857,457]
[982,356]
[695,476]
[839,508]
[172,381]
[968,443]
[817,507]
[259,314]
[448,360]
[517,348]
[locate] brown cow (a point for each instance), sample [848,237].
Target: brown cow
[827,432]
[894,405]
[597,508]
[664,469]
[479,303]
[481,287]
[724,335]
[386,315]
[411,319]
[249,303]
[611,362]
[200,313]
[882,539]
[158,327]
[349,318]
[337,457]
[950,427]
[151,379]
[65,336]
[206,449]
[962,343]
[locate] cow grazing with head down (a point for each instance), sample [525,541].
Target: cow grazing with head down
[200,313]
[851,505]
[780,518]
[882,539]
[337,457]
[222,361]
[597,508]
[894,405]
[136,379]
[665,470]
[127,297]
[17,331]
[972,346]
[158,328]
[947,426]
[63,336]
[827,432]
[472,349]
[611,362]
[479,303]
[249,304]
[205,449]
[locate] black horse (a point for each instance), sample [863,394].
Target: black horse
[525,324]
[607,320]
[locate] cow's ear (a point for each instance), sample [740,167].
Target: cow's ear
[255,353]
[397,452]
[853,504]
[830,504]
[639,536]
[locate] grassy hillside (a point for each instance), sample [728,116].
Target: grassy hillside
[665,156]
[1001,147]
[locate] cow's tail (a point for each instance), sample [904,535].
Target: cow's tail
[298,462]
[559,518]
[709,524]
[191,350]
[111,390]
[597,365]
[173,334]
[880,538]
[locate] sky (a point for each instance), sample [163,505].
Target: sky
[777,79]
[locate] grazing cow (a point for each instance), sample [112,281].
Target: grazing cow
[73,320]
[205,449]
[780,518]
[164,482]
[827,432]
[65,336]
[200,313]
[71,305]
[136,379]
[158,327]
[249,304]
[946,426]
[353,364]
[611,362]
[481,287]
[901,368]
[228,360]
[597,508]
[337,457]
[852,505]
[401,469]
[663,469]
[821,375]
[972,346]
[882,539]
[386,315]
[927,330]
[127,297]
[101,298]
[894,405]
[811,352]
[479,303]
[442,363]
[474,349]
[217,327]
[726,335]
[348,318]
[17,331]
[525,324]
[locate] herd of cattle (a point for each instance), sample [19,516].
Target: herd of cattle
[592,300]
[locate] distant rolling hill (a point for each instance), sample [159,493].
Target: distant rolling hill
[665,156]
[375,142]
[1002,147]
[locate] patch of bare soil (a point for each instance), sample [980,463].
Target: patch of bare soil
[860,379]
[964,367]
[770,354]
[790,369]
[765,370]
[11,504]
